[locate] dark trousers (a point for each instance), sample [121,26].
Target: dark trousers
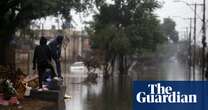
[58,68]
[42,70]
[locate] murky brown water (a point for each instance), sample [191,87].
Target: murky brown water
[116,93]
[112,94]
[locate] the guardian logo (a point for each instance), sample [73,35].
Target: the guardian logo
[161,94]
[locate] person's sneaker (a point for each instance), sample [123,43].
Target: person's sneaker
[56,78]
[40,89]
[67,96]
[45,89]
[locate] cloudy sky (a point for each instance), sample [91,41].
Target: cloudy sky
[170,8]
[180,10]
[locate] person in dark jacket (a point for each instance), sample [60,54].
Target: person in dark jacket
[55,47]
[42,60]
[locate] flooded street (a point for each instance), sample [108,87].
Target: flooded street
[115,93]
[174,70]
[86,54]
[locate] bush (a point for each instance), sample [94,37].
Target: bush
[8,89]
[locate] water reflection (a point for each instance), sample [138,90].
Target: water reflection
[113,94]
[174,70]
[116,93]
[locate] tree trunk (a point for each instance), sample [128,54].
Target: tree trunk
[126,68]
[105,71]
[7,56]
[113,65]
[123,69]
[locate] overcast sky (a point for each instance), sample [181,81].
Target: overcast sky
[179,10]
[170,8]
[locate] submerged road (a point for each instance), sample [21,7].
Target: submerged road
[116,93]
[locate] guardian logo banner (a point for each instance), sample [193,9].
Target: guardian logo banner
[170,95]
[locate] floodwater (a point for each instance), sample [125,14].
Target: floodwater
[116,93]
[112,94]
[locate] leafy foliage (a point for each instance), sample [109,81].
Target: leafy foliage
[132,20]
[91,61]
[8,89]
[19,13]
[126,28]
[168,28]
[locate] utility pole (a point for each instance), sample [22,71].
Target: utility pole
[203,37]
[194,38]
[204,40]
[189,38]
[194,50]
[189,35]
[190,52]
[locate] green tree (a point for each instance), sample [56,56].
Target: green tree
[168,29]
[17,14]
[124,29]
